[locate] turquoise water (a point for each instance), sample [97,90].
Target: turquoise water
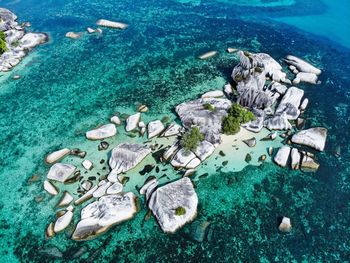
[68,87]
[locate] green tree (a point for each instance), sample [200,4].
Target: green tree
[191,139]
[209,107]
[230,125]
[3,47]
[236,115]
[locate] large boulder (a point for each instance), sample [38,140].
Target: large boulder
[155,128]
[125,157]
[302,65]
[282,156]
[174,204]
[204,150]
[61,172]
[102,132]
[185,159]
[132,121]
[295,159]
[193,113]
[278,122]
[313,137]
[290,103]
[99,216]
[56,156]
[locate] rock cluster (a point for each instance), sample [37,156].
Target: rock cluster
[18,41]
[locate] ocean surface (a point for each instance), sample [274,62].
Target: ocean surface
[70,86]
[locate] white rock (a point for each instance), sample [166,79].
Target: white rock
[304,104]
[183,158]
[278,87]
[70,208]
[86,185]
[102,188]
[295,156]
[172,130]
[290,103]
[313,137]
[63,222]
[50,188]
[100,215]
[307,77]
[213,94]
[99,30]
[147,185]
[166,200]
[168,154]
[132,122]
[282,156]
[208,55]
[115,188]
[285,225]
[66,199]
[103,132]
[115,120]
[87,164]
[150,189]
[90,30]
[142,124]
[56,156]
[86,196]
[296,81]
[302,65]
[155,128]
[228,89]
[72,35]
[309,163]
[60,172]
[112,24]
[204,150]
[193,164]
[125,157]
[279,122]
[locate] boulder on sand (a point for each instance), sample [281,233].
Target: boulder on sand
[132,122]
[61,172]
[107,211]
[102,132]
[174,204]
[313,137]
[282,156]
[155,128]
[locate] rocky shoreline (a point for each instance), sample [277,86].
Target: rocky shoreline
[18,41]
[258,83]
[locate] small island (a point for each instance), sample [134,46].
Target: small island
[259,98]
[15,42]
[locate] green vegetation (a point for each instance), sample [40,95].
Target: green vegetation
[209,107]
[191,139]
[15,43]
[235,117]
[3,47]
[180,211]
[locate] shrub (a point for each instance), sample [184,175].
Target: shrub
[191,139]
[15,43]
[180,211]
[3,47]
[235,117]
[230,125]
[209,107]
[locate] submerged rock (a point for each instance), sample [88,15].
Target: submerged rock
[125,157]
[285,226]
[282,156]
[174,204]
[102,132]
[208,55]
[155,128]
[57,156]
[313,137]
[309,164]
[199,230]
[111,24]
[72,35]
[61,172]
[99,216]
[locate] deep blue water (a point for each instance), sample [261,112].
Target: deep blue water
[70,86]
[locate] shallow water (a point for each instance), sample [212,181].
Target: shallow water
[68,87]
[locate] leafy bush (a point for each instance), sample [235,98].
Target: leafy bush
[191,139]
[3,47]
[230,125]
[209,107]
[15,43]
[180,211]
[235,117]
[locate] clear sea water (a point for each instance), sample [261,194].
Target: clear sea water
[68,87]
